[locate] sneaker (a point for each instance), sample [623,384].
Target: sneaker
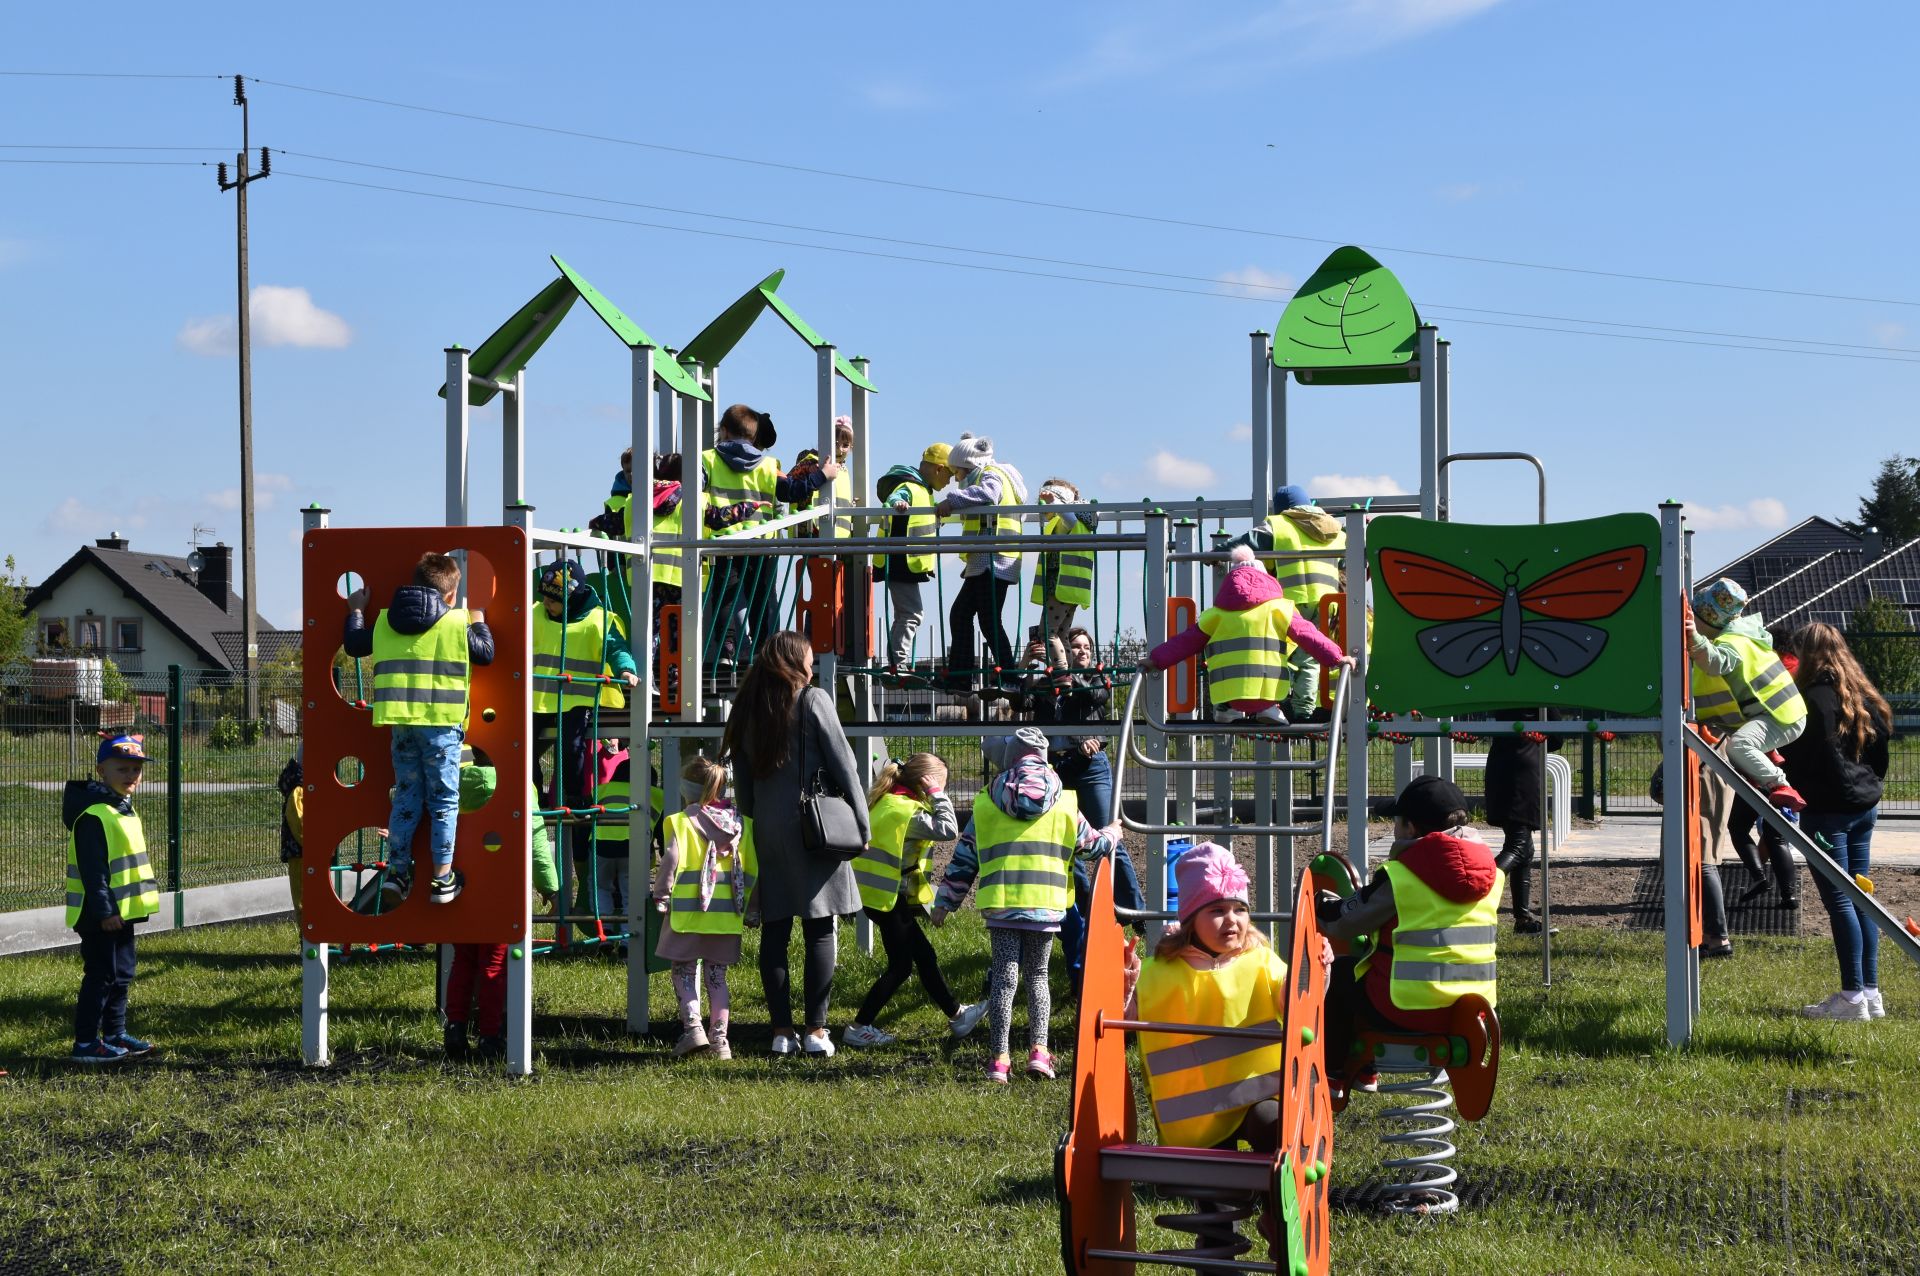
[692,1038]
[1040,1064]
[819,1044]
[865,1034]
[1226,713]
[1876,1004]
[1717,949]
[1787,798]
[1000,1071]
[1274,715]
[490,1048]
[453,1040]
[97,1052]
[785,1043]
[968,1019]
[717,1044]
[135,1047]
[1367,1082]
[444,889]
[1838,1008]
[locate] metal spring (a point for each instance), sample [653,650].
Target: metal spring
[1426,1190]
[1213,1226]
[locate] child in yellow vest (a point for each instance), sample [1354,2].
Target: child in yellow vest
[705,877]
[1741,687]
[910,812]
[1215,968]
[110,890]
[1248,634]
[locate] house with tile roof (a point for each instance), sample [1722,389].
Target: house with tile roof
[147,611]
[1818,570]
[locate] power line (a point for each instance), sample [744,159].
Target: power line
[109,75]
[1010,270]
[1283,291]
[96,146]
[128,163]
[1088,210]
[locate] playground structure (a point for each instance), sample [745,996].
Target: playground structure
[1635,681]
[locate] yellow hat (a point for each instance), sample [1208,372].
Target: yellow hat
[936,454]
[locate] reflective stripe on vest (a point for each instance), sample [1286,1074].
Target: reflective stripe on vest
[1026,863]
[1305,580]
[1247,652]
[586,646]
[921,524]
[130,882]
[666,562]
[998,524]
[611,826]
[879,870]
[1442,949]
[420,680]
[1203,1086]
[721,484]
[722,915]
[1067,575]
[1759,687]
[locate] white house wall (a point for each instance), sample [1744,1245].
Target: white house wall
[90,588]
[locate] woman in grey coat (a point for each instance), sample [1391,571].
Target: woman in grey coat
[780,732]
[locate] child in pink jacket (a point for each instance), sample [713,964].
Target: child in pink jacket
[1247,634]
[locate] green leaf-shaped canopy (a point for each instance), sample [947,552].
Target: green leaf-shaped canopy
[717,340]
[502,355]
[1351,323]
[664,368]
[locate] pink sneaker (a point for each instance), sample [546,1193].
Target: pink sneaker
[1040,1064]
[998,1071]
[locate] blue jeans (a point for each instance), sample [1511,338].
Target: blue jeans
[1091,779]
[426,776]
[1855,939]
[1073,927]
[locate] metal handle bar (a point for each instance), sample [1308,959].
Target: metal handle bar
[1188,1029]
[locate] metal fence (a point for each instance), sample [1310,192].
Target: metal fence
[1627,762]
[207,800]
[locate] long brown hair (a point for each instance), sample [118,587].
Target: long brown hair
[1825,657]
[760,728]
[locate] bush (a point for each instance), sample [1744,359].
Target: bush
[114,688]
[226,733]
[1892,660]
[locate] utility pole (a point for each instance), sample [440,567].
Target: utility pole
[242,179]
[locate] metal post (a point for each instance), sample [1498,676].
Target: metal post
[513,442]
[176,771]
[1686,592]
[1277,458]
[826,665]
[314,1051]
[1262,369]
[520,989]
[693,426]
[1442,425]
[1435,753]
[1184,577]
[1155,742]
[456,436]
[1681,956]
[646,411]
[859,599]
[1355,704]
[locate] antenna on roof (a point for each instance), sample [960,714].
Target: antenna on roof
[200,531]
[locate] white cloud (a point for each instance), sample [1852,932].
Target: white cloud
[1252,281]
[74,517]
[1240,432]
[282,316]
[1890,334]
[266,488]
[1165,469]
[1355,485]
[1762,513]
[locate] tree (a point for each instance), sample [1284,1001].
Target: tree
[16,622]
[1891,661]
[1894,504]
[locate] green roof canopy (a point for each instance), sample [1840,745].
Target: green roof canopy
[1351,323]
[630,332]
[717,340]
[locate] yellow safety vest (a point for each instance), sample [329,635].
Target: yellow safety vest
[1305,580]
[586,646]
[1442,949]
[842,501]
[1247,652]
[611,826]
[1203,1086]
[623,506]
[921,524]
[1067,575]
[130,881]
[721,484]
[890,858]
[420,680]
[1026,863]
[996,524]
[1760,687]
[667,562]
[723,913]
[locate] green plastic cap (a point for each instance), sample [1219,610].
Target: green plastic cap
[517,952]
[1306,1036]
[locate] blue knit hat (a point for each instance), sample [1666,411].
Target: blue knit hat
[1716,604]
[1289,497]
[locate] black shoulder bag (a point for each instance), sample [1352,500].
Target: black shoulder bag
[828,826]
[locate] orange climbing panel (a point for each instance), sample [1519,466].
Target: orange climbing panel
[349,768]
[1183,680]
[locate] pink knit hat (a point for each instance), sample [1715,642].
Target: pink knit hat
[1207,874]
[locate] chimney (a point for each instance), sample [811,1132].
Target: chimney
[215,578]
[112,540]
[1875,544]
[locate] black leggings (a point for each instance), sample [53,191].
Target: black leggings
[816,975]
[979,603]
[1260,1128]
[908,950]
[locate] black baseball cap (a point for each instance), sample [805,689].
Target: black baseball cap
[1427,801]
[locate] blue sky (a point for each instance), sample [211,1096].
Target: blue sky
[1650,139]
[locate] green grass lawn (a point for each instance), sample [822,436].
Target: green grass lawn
[1773,1145]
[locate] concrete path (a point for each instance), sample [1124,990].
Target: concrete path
[1637,837]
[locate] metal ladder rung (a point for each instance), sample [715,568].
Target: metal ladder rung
[1190,1262]
[1232,830]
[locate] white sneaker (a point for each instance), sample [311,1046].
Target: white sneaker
[1275,714]
[1876,1004]
[1838,1008]
[821,1046]
[784,1044]
[968,1019]
[865,1034]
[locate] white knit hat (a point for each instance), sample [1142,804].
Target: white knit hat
[970,454]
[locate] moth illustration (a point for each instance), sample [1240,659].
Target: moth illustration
[1545,619]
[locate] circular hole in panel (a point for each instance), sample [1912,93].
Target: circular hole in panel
[352,679]
[492,842]
[476,577]
[364,846]
[349,771]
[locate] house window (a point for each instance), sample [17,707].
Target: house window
[53,633]
[89,632]
[126,635]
